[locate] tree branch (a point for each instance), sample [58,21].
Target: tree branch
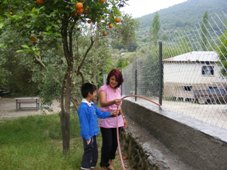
[75,103]
[85,55]
[40,62]
[70,38]
[82,76]
[64,34]
[63,93]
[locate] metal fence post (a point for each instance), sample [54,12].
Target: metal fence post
[136,82]
[161,73]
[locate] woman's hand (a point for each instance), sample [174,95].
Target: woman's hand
[125,122]
[105,103]
[115,113]
[117,102]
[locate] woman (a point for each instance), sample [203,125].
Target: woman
[110,100]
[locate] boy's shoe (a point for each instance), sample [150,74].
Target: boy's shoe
[92,167]
[82,168]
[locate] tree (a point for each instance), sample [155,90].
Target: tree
[222,51]
[124,36]
[155,27]
[204,31]
[65,20]
[16,72]
[127,32]
[4,73]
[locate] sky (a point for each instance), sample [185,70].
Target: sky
[138,8]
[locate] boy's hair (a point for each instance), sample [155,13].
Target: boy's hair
[87,88]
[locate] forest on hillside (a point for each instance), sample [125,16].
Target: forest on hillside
[182,16]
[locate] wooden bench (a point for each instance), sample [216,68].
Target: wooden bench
[27,102]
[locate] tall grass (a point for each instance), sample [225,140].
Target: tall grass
[35,143]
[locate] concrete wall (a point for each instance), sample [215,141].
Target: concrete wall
[194,145]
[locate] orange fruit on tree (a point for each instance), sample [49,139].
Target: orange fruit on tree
[79,5]
[117,20]
[80,11]
[110,25]
[40,2]
[102,1]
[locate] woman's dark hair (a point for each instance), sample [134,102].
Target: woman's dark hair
[117,73]
[87,88]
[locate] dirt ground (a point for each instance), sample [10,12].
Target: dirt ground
[8,109]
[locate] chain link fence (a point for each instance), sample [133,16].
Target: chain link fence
[194,73]
[144,76]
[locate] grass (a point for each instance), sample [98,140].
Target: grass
[35,143]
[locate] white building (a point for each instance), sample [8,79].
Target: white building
[186,73]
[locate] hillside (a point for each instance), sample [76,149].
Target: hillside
[180,16]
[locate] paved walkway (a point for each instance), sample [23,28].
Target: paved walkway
[212,114]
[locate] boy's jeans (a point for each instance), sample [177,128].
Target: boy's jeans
[90,155]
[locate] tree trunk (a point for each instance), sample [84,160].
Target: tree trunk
[65,128]
[65,109]
[67,84]
[66,32]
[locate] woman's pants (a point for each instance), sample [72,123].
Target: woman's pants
[109,145]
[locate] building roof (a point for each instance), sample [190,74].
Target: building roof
[195,56]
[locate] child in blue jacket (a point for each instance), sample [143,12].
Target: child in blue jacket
[88,114]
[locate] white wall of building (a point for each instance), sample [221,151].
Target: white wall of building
[190,73]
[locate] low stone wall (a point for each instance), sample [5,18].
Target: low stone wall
[136,154]
[195,147]
[147,153]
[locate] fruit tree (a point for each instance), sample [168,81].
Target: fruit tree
[62,19]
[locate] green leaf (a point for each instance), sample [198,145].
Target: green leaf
[34,11]
[2,45]
[1,25]
[37,53]
[25,46]
[20,51]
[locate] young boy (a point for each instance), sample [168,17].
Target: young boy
[88,113]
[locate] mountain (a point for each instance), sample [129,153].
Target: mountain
[182,16]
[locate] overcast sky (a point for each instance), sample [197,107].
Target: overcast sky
[138,8]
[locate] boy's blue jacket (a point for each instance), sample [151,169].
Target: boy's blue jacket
[88,116]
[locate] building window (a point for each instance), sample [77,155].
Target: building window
[208,70]
[187,88]
[212,88]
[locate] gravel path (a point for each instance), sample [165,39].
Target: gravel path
[8,109]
